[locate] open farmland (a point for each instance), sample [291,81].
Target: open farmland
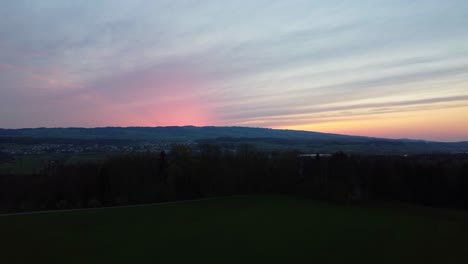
[243,229]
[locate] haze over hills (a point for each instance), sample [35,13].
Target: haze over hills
[233,136]
[172,132]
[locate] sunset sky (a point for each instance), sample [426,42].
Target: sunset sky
[396,69]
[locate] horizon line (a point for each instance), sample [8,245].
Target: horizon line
[213,126]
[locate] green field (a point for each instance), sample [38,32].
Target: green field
[36,163]
[23,165]
[246,229]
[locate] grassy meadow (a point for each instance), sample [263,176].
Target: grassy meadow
[243,229]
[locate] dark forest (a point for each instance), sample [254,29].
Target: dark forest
[432,180]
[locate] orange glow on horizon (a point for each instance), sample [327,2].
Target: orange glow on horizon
[439,124]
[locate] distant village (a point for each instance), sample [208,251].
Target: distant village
[46,148]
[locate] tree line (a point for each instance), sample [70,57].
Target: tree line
[433,180]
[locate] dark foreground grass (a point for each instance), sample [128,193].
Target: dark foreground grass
[248,229]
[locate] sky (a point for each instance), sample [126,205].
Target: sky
[395,69]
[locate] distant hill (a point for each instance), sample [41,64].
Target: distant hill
[233,136]
[170,132]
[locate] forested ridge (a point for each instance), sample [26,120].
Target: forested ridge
[432,180]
